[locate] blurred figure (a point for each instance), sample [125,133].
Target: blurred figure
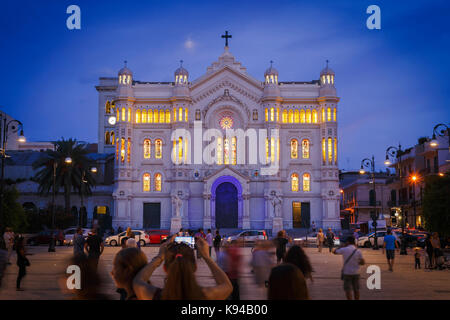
[22,262]
[94,247]
[209,240]
[261,262]
[131,242]
[180,266]
[90,280]
[417,257]
[180,233]
[436,243]
[232,268]
[119,230]
[330,239]
[8,237]
[199,234]
[320,239]
[217,241]
[280,244]
[3,257]
[390,244]
[429,250]
[286,282]
[78,242]
[297,256]
[313,227]
[127,263]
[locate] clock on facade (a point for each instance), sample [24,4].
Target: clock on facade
[112,120]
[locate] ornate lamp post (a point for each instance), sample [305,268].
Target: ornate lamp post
[396,152]
[83,182]
[6,128]
[440,130]
[370,163]
[413,180]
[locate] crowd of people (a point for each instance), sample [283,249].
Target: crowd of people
[281,268]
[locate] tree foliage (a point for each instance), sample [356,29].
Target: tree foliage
[13,212]
[436,204]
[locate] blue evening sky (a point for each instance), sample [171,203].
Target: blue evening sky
[394,83]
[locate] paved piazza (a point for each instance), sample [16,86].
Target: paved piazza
[42,280]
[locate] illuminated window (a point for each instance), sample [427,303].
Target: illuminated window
[158,149]
[277,118]
[186,114]
[324,151]
[329,114]
[219,150]
[155,116]
[144,116]
[296,116]
[302,116]
[147,149]
[167,116]
[150,116]
[294,182]
[330,150]
[122,150]
[129,115]
[180,115]
[186,149]
[107,137]
[233,151]
[158,182]
[174,114]
[334,114]
[161,116]
[226,122]
[335,150]
[285,116]
[267,114]
[117,150]
[138,116]
[180,150]
[124,114]
[129,150]
[272,150]
[226,151]
[107,107]
[112,137]
[118,115]
[306,182]
[308,116]
[267,150]
[146,182]
[278,149]
[294,149]
[305,149]
[272,114]
[323,114]
[314,116]
[291,116]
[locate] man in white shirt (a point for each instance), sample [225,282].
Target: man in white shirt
[8,237]
[353,259]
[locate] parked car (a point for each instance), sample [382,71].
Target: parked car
[45,236]
[70,232]
[369,240]
[158,236]
[248,236]
[143,237]
[311,239]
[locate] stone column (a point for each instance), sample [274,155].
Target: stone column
[246,212]
[268,219]
[207,219]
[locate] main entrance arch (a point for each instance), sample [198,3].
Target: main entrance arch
[226,200]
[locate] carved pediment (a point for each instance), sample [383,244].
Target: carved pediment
[228,98]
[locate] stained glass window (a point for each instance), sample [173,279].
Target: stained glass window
[167,116]
[226,122]
[305,149]
[314,116]
[158,149]
[147,149]
[122,150]
[302,116]
[233,151]
[294,149]
[226,151]
[330,150]
[158,182]
[219,150]
[144,116]
[324,151]
[296,116]
[129,150]
[294,182]
[335,150]
[306,182]
[308,116]
[146,182]
[138,116]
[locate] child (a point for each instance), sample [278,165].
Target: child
[417,258]
[427,260]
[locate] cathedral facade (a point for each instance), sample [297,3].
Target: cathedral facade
[223,151]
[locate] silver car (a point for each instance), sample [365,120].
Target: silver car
[248,236]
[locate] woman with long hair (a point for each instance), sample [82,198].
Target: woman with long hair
[297,256]
[127,263]
[286,282]
[181,283]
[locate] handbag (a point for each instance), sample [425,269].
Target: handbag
[348,259]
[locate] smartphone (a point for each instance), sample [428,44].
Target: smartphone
[190,241]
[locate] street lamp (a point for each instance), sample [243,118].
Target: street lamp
[68,161]
[83,181]
[5,129]
[370,163]
[396,152]
[413,180]
[439,130]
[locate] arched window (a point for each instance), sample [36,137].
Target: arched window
[330,150]
[144,116]
[180,114]
[294,182]
[285,116]
[296,116]
[314,116]
[118,114]
[138,116]
[306,182]
[302,116]
[107,107]
[226,151]
[305,149]
[180,149]
[308,116]
[124,114]
[147,148]
[267,114]
[155,116]
[272,150]
[267,150]
[174,114]
[323,115]
[107,137]
[272,114]
[129,115]
[122,150]
[150,116]
[146,182]
[329,114]
[334,114]
[167,116]
[277,118]
[161,116]
[335,150]
[112,137]
[233,151]
[158,149]
[294,149]
[129,150]
[117,151]
[291,116]
[324,151]
[158,182]
[219,150]
[186,114]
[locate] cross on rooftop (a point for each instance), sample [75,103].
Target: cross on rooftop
[226,36]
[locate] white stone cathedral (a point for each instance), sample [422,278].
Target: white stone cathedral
[167,178]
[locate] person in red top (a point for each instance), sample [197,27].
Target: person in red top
[200,234]
[233,265]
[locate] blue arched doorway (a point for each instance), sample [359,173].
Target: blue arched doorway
[226,206]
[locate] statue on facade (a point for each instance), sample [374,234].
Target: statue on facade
[276,203]
[177,202]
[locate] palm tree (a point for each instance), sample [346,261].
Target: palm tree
[68,176]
